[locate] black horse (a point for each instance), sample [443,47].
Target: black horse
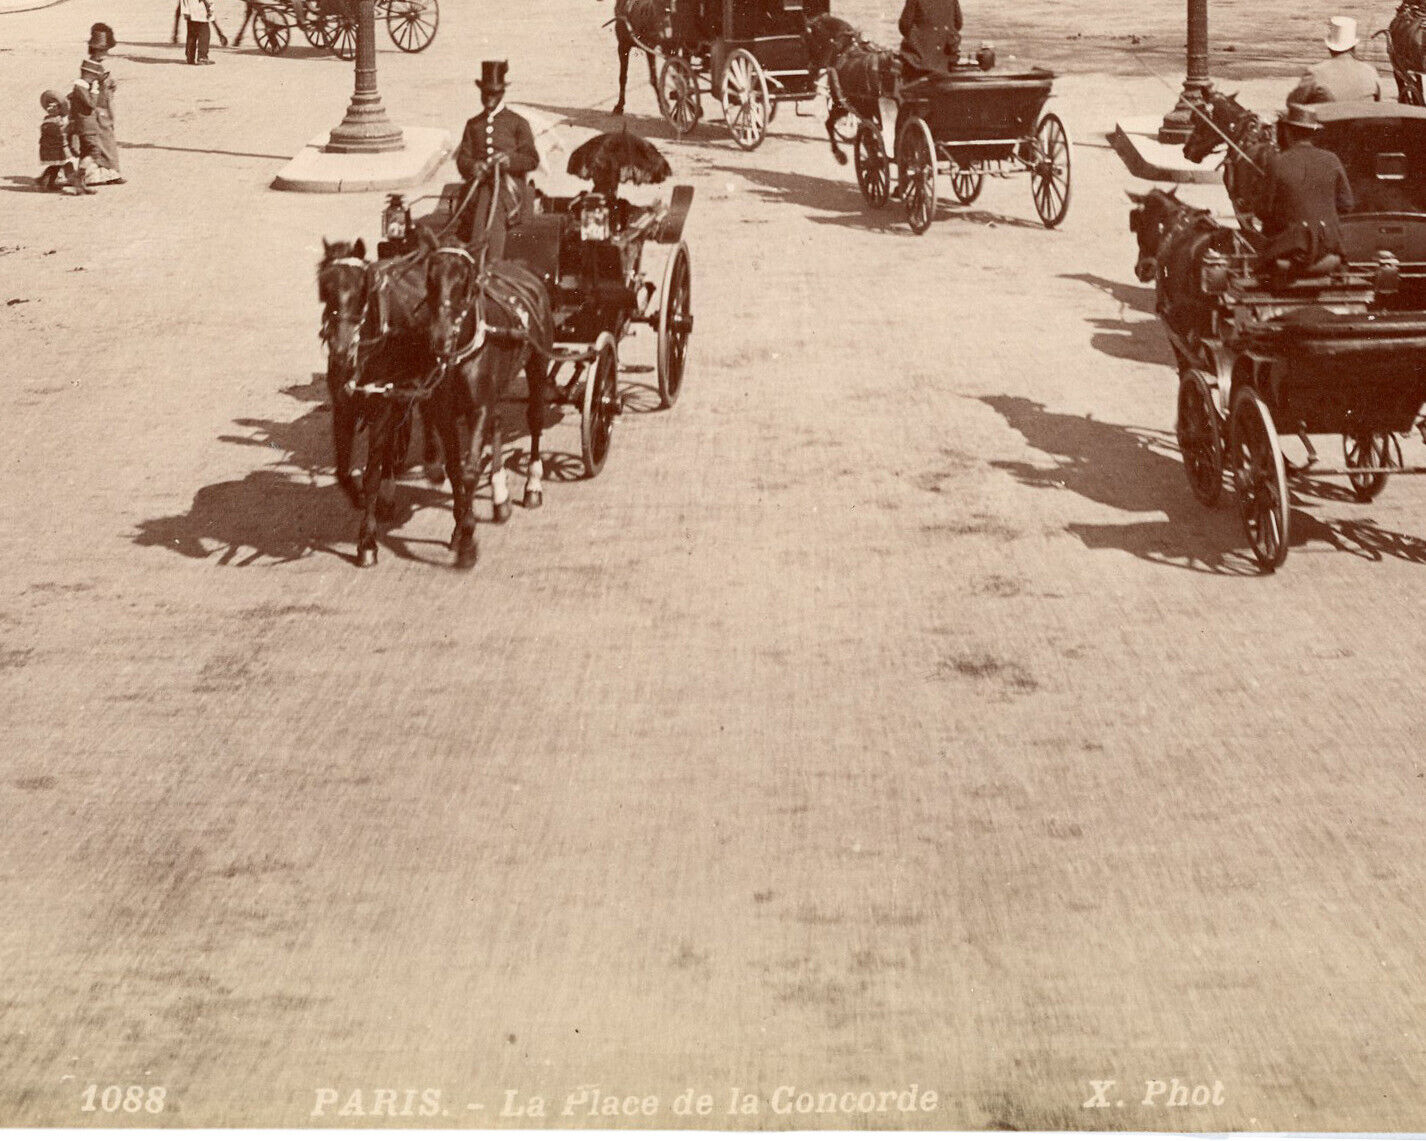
[1246,163]
[1406,46]
[643,24]
[859,74]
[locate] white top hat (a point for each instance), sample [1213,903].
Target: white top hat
[1341,34]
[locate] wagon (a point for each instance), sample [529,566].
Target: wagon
[274,20]
[750,55]
[1341,352]
[969,125]
[411,24]
[589,252]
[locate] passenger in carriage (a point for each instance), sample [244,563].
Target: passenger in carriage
[1341,77]
[1304,196]
[930,37]
[497,143]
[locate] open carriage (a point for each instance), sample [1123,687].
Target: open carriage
[589,253]
[332,24]
[1341,350]
[969,125]
[750,55]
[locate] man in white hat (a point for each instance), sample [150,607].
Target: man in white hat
[1341,77]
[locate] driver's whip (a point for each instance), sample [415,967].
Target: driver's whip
[1206,118]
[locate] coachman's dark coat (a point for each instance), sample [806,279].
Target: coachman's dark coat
[930,35]
[1306,185]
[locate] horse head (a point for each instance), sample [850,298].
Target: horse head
[343,287]
[1152,216]
[1227,118]
[827,37]
[452,283]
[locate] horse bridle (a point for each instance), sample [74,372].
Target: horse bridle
[328,330]
[473,295]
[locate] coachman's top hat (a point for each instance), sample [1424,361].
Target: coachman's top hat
[1341,34]
[1299,115]
[492,75]
[101,38]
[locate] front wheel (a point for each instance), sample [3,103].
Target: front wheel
[600,404]
[1050,171]
[339,33]
[412,23]
[746,107]
[272,37]
[873,167]
[679,100]
[916,163]
[1368,450]
[1259,478]
[1200,436]
[675,324]
[967,185]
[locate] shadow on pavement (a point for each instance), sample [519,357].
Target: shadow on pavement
[1137,297]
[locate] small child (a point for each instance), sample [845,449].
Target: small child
[56,152]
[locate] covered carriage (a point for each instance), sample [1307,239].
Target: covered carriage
[1340,350]
[750,55]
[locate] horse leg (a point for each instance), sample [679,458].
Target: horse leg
[653,75]
[378,442]
[431,466]
[462,493]
[499,489]
[837,110]
[344,425]
[393,459]
[625,45]
[536,376]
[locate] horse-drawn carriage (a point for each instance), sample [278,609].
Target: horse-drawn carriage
[1335,344]
[750,55]
[969,124]
[332,24]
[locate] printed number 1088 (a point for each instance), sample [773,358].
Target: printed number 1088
[123,1099]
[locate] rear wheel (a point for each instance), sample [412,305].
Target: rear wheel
[873,167]
[967,185]
[309,19]
[675,324]
[1368,450]
[746,107]
[271,36]
[600,405]
[339,34]
[679,101]
[916,163]
[1050,170]
[1200,436]
[1259,478]
[412,23]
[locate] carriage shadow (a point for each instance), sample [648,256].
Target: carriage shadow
[593,119]
[1138,470]
[1136,297]
[1139,341]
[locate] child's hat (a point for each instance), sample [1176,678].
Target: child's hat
[55,99]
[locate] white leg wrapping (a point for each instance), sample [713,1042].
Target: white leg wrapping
[498,489]
[537,474]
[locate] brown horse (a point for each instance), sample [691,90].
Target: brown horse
[643,24]
[859,74]
[1406,46]
[1248,157]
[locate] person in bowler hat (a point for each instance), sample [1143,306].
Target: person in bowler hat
[1304,196]
[497,153]
[1341,77]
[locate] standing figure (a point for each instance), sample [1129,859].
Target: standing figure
[98,152]
[496,155]
[1341,77]
[57,154]
[199,14]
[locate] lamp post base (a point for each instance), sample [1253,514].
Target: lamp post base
[1178,123]
[366,129]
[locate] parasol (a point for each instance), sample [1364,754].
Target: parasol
[621,157]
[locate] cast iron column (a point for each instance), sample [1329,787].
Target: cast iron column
[366,129]
[1179,122]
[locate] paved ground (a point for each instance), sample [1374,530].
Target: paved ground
[888,713]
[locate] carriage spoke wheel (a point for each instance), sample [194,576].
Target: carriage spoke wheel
[873,167]
[340,35]
[675,324]
[272,37]
[679,101]
[1369,450]
[916,163]
[600,405]
[412,23]
[1050,171]
[309,19]
[1200,437]
[967,185]
[1260,478]
[746,107]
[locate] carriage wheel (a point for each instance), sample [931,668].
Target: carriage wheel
[679,100]
[309,19]
[873,167]
[675,324]
[1200,437]
[916,162]
[1366,450]
[271,36]
[412,23]
[967,185]
[339,33]
[601,404]
[1050,172]
[1260,478]
[746,107]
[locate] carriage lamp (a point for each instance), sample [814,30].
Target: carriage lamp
[1388,272]
[594,219]
[1213,276]
[395,219]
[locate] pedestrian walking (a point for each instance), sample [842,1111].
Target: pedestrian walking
[58,155]
[98,152]
[199,14]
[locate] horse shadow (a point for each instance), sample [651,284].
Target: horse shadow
[593,119]
[1140,298]
[1139,341]
[1137,470]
